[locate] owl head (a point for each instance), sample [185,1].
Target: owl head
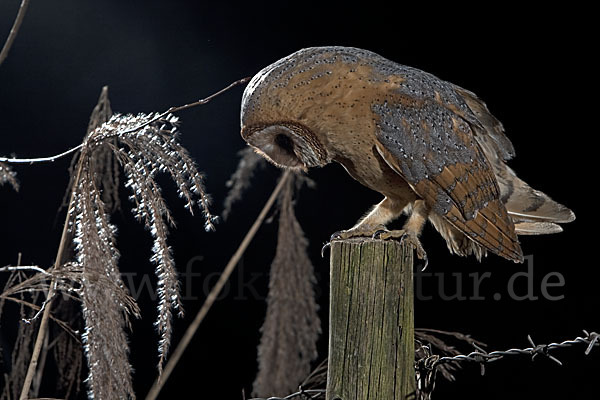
[276,120]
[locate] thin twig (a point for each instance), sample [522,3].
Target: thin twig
[41,159]
[39,341]
[134,129]
[39,312]
[14,30]
[215,291]
[180,108]
[24,268]
[33,306]
[207,99]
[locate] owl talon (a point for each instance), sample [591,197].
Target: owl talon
[339,235]
[384,234]
[378,233]
[425,264]
[414,241]
[325,247]
[336,236]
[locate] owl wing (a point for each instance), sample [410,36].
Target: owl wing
[532,211]
[433,148]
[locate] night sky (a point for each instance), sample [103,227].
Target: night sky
[533,72]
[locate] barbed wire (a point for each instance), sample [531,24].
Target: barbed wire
[482,356]
[426,367]
[301,393]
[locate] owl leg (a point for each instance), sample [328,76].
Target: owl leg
[411,230]
[374,221]
[373,225]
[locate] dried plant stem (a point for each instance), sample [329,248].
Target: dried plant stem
[14,30]
[24,268]
[158,117]
[41,159]
[37,379]
[207,99]
[214,293]
[39,341]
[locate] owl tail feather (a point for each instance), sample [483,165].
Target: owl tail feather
[533,212]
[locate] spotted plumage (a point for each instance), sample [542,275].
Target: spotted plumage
[431,148]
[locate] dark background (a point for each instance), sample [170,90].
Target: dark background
[533,69]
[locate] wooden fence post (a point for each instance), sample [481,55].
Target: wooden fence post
[371,324]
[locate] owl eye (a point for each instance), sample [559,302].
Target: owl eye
[285,143]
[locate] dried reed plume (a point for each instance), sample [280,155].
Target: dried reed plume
[292,325]
[7,175]
[144,146]
[249,162]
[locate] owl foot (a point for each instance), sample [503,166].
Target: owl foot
[405,236]
[352,233]
[380,232]
[364,232]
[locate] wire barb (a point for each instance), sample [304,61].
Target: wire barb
[593,338]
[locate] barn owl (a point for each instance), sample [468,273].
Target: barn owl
[431,148]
